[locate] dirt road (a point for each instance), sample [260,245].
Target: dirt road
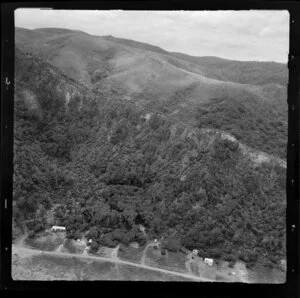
[145,251]
[188,264]
[114,256]
[28,251]
[114,253]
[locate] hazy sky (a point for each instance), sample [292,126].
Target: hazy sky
[238,35]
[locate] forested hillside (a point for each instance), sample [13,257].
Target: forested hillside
[264,129]
[103,160]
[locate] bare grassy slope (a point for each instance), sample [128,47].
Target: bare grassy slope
[181,86]
[245,72]
[135,67]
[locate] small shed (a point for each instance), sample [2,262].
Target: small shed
[208,261]
[195,252]
[58,228]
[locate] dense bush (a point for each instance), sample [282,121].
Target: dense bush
[171,244]
[264,129]
[111,172]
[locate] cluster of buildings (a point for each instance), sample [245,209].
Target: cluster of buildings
[195,252]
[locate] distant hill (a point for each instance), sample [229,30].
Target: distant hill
[57,31]
[136,44]
[174,84]
[244,72]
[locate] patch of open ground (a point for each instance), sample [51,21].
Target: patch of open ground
[226,274]
[194,269]
[36,266]
[45,267]
[131,254]
[171,261]
[128,272]
[257,274]
[99,270]
[260,274]
[58,264]
[48,241]
[73,246]
[103,252]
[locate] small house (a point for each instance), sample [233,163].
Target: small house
[195,252]
[90,241]
[208,261]
[58,228]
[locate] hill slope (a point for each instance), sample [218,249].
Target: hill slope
[245,72]
[170,83]
[116,136]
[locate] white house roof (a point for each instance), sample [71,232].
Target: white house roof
[208,261]
[58,227]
